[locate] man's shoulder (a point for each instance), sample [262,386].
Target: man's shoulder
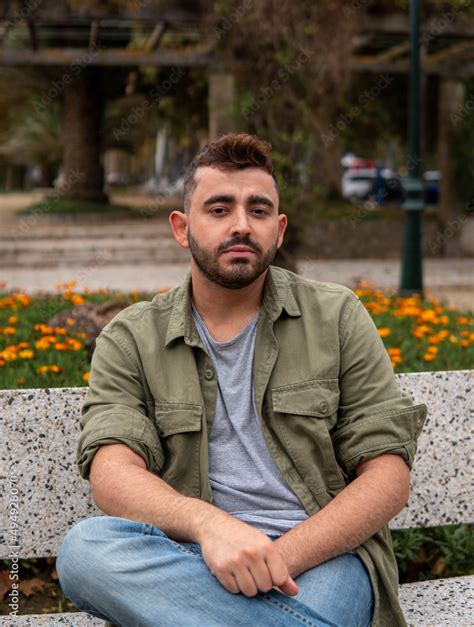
[144,311]
[314,289]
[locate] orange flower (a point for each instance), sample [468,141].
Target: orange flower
[85,376]
[74,344]
[12,319]
[77,299]
[429,356]
[61,346]
[9,330]
[384,331]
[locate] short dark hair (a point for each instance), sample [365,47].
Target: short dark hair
[234,151]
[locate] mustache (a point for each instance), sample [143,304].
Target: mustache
[239,241]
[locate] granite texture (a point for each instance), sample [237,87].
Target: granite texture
[439,602]
[446,601]
[40,428]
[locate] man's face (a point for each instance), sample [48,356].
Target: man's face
[232,208]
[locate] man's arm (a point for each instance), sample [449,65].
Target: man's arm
[241,557]
[379,492]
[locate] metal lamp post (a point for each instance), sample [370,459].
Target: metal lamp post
[412,276]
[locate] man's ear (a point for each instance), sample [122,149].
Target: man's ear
[179,225]
[282,224]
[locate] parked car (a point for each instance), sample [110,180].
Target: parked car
[381,185]
[431,179]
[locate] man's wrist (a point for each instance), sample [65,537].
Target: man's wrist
[198,515]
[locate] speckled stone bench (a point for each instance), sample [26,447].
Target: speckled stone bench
[40,428]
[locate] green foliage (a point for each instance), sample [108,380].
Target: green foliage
[434,552]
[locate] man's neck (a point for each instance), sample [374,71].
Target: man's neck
[220,305]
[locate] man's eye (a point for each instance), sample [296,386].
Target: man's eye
[260,211]
[217,209]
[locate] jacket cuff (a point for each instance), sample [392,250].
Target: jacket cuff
[119,426]
[395,432]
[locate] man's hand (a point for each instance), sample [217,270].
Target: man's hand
[241,557]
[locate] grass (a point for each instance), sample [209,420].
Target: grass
[60,206]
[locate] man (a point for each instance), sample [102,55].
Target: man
[243,432]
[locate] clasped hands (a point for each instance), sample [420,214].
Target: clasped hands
[242,558]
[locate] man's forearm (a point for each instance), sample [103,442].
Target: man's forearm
[352,517]
[128,491]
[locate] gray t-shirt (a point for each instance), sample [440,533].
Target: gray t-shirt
[245,480]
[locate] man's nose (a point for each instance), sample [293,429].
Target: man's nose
[240,223]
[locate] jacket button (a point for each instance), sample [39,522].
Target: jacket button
[209,374]
[323,407]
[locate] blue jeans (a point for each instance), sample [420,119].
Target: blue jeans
[132,574]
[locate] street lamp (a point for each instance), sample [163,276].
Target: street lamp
[412,275]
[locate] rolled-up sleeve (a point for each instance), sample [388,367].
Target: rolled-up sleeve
[115,409]
[374,416]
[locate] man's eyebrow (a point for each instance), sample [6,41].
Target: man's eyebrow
[254,199]
[260,200]
[219,198]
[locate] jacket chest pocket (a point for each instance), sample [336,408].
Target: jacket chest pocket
[179,426]
[305,414]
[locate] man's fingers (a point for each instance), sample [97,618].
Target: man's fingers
[277,568]
[246,582]
[289,587]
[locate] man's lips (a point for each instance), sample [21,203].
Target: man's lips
[239,250]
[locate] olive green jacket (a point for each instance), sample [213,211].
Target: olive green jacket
[324,387]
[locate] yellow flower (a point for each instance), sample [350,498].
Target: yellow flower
[42,369]
[86,375]
[384,331]
[26,354]
[453,339]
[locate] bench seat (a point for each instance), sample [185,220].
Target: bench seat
[437,602]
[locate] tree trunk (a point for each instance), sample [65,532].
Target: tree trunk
[82,114]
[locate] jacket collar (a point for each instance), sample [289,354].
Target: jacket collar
[277,295]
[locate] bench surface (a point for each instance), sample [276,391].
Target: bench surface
[438,602]
[41,429]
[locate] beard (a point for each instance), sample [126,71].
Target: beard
[241,272]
